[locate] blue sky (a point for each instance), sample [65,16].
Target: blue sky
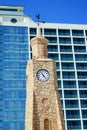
[54,11]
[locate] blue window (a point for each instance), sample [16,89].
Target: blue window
[18,83]
[74,125]
[72,114]
[49,31]
[84,113]
[33,31]
[77,33]
[59,84]
[17,94]
[15,47]
[79,48]
[83,93]
[65,48]
[70,93]
[66,57]
[19,125]
[78,40]
[84,103]
[15,56]
[58,74]
[64,32]
[81,57]
[64,40]
[85,124]
[68,75]
[53,56]
[52,39]
[81,66]
[86,32]
[14,65]
[71,104]
[82,75]
[14,115]
[82,84]
[12,74]
[67,66]
[52,48]
[57,65]
[69,84]
[14,104]
[15,30]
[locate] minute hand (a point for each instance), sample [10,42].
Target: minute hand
[43,75]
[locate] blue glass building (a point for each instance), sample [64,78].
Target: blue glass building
[67,46]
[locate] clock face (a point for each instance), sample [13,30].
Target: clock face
[43,75]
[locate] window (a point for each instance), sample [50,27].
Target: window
[49,31]
[78,40]
[64,40]
[70,93]
[77,33]
[58,74]
[46,124]
[82,75]
[71,104]
[81,57]
[64,32]
[84,113]
[69,84]
[52,39]
[53,56]
[79,48]
[57,65]
[72,114]
[59,84]
[52,48]
[81,66]
[85,124]
[84,103]
[68,75]
[67,66]
[82,84]
[74,125]
[65,48]
[66,57]
[83,93]
[86,32]
[33,31]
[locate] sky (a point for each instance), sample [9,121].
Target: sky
[53,11]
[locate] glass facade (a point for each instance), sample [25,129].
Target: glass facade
[13,58]
[68,47]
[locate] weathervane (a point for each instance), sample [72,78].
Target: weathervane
[38,18]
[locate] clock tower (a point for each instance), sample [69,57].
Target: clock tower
[43,107]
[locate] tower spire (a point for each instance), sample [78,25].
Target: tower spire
[38,33]
[39,44]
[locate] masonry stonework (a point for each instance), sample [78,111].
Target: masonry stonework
[43,107]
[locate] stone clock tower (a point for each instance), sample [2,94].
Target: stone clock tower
[43,108]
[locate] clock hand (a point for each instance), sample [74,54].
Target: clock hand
[43,75]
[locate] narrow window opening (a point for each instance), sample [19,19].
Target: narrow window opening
[46,124]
